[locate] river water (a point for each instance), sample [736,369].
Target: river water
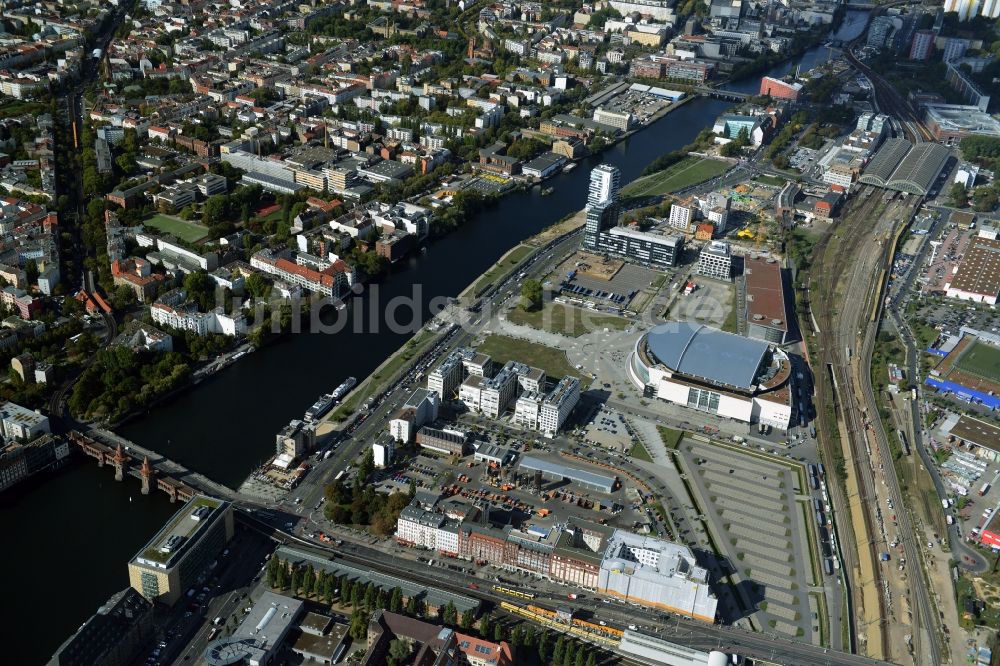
[72,532]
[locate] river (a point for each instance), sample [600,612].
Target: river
[74,530]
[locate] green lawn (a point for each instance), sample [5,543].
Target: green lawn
[502,267]
[671,437]
[689,171]
[981,360]
[190,232]
[551,360]
[567,320]
[639,452]
[770,180]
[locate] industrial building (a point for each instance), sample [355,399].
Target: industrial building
[712,371]
[260,636]
[172,560]
[554,471]
[656,573]
[766,316]
[905,167]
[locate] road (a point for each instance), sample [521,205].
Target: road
[970,559]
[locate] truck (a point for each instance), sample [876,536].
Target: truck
[985,489]
[944,503]
[950,519]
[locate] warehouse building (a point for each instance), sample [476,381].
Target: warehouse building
[557,472]
[978,276]
[708,370]
[656,573]
[902,166]
[765,300]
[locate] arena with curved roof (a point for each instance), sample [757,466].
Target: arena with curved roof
[710,370]
[905,167]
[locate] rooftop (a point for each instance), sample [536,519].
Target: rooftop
[979,272]
[707,353]
[174,539]
[765,292]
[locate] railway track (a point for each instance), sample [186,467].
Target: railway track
[849,312]
[859,551]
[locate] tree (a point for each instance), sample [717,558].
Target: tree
[411,606]
[958,195]
[543,647]
[296,580]
[484,625]
[984,199]
[591,658]
[531,295]
[359,625]
[581,656]
[396,601]
[559,651]
[450,615]
[498,632]
[308,581]
[468,617]
[399,652]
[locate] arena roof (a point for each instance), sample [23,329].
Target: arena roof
[900,165]
[707,353]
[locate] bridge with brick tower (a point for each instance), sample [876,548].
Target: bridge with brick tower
[153,470]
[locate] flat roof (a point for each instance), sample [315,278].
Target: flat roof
[572,473]
[707,353]
[765,293]
[183,530]
[979,271]
[967,119]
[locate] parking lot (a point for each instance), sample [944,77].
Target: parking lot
[755,508]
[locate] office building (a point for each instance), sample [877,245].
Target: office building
[654,248]
[171,562]
[294,440]
[658,574]
[620,120]
[420,407]
[708,370]
[445,378]
[715,261]
[113,636]
[557,405]
[602,202]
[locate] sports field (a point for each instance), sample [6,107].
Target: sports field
[190,232]
[689,171]
[981,360]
